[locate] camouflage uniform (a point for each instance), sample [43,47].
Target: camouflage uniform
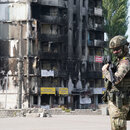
[118,96]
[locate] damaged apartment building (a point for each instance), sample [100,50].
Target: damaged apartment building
[51,53]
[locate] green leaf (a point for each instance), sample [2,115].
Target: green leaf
[115,17]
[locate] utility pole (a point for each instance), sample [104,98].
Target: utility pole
[19,105]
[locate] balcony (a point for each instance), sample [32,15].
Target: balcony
[53,19]
[77,91]
[98,11]
[95,11]
[53,38]
[95,43]
[98,43]
[60,74]
[53,73]
[90,11]
[92,75]
[49,55]
[99,27]
[54,3]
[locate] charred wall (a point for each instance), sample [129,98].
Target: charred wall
[55,42]
[18,47]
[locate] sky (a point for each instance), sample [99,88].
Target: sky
[128,31]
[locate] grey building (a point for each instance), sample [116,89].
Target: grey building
[51,53]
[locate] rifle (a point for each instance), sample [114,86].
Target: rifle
[109,84]
[111,68]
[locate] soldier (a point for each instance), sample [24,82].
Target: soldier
[118,97]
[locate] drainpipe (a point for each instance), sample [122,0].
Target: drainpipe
[28,50]
[19,100]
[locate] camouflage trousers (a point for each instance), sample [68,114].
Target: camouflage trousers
[118,116]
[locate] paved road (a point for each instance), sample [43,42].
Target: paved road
[59,122]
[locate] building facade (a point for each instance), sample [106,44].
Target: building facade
[51,53]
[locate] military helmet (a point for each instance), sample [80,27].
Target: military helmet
[117,41]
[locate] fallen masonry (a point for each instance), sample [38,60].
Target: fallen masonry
[4,113]
[40,112]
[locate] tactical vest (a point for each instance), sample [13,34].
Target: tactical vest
[125,83]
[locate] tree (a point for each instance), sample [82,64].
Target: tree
[115,15]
